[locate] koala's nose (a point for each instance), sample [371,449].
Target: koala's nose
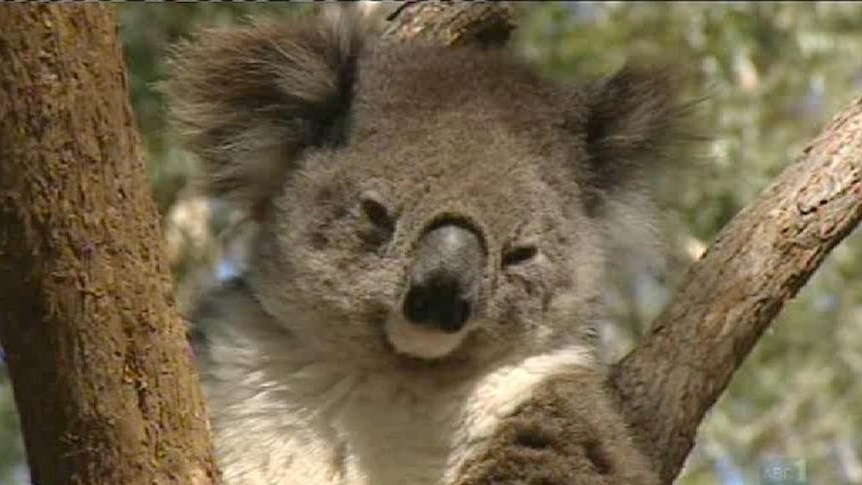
[445,278]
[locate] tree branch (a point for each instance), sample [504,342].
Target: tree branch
[486,23]
[728,298]
[758,262]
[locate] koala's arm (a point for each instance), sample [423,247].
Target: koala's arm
[568,433]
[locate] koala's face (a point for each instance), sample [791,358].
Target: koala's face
[426,250]
[443,204]
[435,231]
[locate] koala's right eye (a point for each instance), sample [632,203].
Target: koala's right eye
[379,218]
[377,213]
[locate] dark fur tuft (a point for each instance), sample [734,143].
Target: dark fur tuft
[636,125]
[251,99]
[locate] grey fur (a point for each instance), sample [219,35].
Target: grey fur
[299,123]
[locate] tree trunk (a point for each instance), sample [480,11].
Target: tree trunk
[101,371]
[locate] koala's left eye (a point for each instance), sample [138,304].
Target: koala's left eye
[380,218]
[519,255]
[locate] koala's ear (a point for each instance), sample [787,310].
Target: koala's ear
[635,122]
[248,100]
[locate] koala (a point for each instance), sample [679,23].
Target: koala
[432,232]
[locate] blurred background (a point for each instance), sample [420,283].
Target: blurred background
[773,75]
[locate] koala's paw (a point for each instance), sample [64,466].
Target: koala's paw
[568,434]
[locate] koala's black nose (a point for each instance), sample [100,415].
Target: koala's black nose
[438,303]
[445,278]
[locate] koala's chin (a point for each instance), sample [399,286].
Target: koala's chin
[423,342]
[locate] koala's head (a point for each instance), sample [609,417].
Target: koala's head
[439,203]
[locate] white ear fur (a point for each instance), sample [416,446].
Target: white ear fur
[250,99]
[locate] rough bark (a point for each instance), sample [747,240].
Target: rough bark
[726,301]
[728,298]
[100,368]
[482,23]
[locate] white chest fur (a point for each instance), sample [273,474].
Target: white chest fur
[323,425]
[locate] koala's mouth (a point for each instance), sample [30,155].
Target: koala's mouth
[423,342]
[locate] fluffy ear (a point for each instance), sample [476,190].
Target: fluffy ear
[635,124]
[248,100]
[638,131]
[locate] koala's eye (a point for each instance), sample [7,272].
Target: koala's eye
[519,255]
[380,217]
[376,212]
